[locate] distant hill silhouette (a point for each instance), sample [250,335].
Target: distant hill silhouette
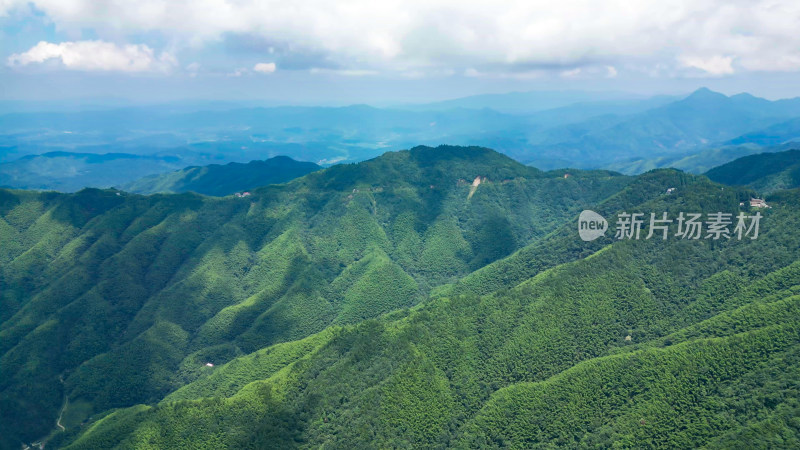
[221,180]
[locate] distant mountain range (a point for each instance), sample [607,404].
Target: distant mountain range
[530,102]
[546,130]
[219,180]
[69,171]
[703,120]
[777,134]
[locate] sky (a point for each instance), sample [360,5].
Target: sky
[392,51]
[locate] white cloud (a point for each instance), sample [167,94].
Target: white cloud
[264,67]
[95,56]
[714,65]
[611,72]
[503,37]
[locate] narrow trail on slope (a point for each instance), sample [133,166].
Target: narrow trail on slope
[64,407]
[40,443]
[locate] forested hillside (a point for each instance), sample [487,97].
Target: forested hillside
[645,343]
[428,298]
[366,225]
[222,180]
[764,172]
[128,297]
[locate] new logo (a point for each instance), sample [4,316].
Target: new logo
[591,225]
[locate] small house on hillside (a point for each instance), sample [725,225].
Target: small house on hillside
[758,203]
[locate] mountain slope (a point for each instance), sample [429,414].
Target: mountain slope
[692,162]
[310,300]
[219,180]
[781,133]
[776,138]
[127,297]
[764,172]
[643,343]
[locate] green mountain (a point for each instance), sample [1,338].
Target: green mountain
[641,344]
[764,172]
[431,298]
[126,297]
[219,180]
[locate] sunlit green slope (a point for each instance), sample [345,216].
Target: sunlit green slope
[126,298]
[636,344]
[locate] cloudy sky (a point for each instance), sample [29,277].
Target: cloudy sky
[324,51]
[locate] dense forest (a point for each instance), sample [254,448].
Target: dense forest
[430,298]
[765,172]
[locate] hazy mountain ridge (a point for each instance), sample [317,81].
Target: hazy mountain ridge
[701,120]
[781,133]
[69,171]
[632,135]
[693,162]
[531,102]
[219,180]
